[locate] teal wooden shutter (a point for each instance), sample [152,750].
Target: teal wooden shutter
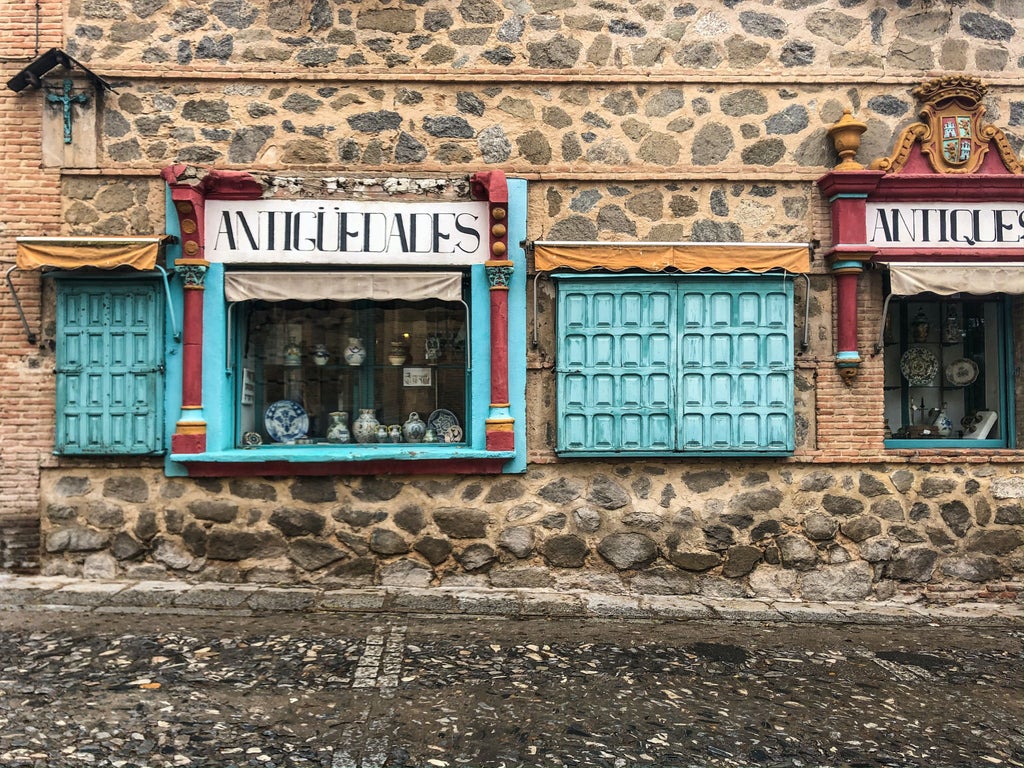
[615,367]
[736,364]
[109,367]
[656,365]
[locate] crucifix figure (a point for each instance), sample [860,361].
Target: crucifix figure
[66,99]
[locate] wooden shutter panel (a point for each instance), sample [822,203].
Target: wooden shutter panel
[736,364]
[689,363]
[615,366]
[109,368]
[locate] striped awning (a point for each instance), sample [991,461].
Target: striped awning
[681,257]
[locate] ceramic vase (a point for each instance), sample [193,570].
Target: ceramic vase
[337,429]
[414,428]
[382,433]
[397,355]
[433,349]
[395,433]
[292,353]
[951,333]
[355,352]
[365,427]
[920,327]
[320,354]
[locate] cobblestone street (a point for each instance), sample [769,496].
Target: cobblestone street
[84,686]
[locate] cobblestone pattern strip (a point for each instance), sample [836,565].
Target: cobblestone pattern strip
[382,660]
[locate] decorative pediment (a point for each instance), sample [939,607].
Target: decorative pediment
[951,135]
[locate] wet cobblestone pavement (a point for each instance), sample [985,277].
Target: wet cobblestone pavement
[371,691]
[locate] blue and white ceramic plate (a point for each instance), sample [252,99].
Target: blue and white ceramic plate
[445,425]
[286,421]
[919,366]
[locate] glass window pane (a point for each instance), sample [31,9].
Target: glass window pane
[394,358]
[943,368]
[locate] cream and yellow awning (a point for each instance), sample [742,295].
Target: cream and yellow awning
[682,257]
[946,278]
[342,286]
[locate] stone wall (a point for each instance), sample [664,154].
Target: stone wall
[548,35]
[700,120]
[835,532]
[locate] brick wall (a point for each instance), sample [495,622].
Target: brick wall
[29,205]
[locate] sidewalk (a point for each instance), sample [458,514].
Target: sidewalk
[69,594]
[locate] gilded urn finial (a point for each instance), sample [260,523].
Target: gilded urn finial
[845,136]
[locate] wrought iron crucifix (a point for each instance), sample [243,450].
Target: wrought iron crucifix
[66,99]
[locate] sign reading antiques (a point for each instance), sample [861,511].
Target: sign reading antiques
[946,225]
[346,232]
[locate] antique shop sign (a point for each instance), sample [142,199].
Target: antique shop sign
[945,225]
[346,232]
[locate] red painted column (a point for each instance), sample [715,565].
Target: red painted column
[190,431]
[848,191]
[189,191]
[493,186]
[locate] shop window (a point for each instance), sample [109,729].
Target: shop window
[675,364]
[946,371]
[359,368]
[110,372]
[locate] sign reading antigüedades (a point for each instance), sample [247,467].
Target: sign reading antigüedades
[946,225]
[346,232]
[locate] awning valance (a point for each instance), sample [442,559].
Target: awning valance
[342,286]
[684,257]
[946,279]
[77,252]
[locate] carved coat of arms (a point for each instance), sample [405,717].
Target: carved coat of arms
[951,133]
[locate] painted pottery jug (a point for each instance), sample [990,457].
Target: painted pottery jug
[395,433]
[382,433]
[337,428]
[355,352]
[365,427]
[320,354]
[414,428]
[944,423]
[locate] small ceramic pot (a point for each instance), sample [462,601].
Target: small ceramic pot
[355,352]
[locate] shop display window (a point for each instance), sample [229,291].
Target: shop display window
[337,358]
[945,363]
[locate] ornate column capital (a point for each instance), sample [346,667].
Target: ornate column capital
[499,274]
[193,273]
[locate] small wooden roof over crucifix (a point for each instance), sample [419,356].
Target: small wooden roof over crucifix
[32,75]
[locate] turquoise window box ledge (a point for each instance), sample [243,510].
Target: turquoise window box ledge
[321,459]
[963,445]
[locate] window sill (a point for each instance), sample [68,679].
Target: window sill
[936,443]
[344,460]
[564,454]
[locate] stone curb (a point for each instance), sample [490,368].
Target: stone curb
[66,594]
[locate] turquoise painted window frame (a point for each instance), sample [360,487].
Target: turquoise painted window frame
[125,417]
[664,381]
[220,386]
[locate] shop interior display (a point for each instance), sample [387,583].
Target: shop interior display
[352,372]
[941,368]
